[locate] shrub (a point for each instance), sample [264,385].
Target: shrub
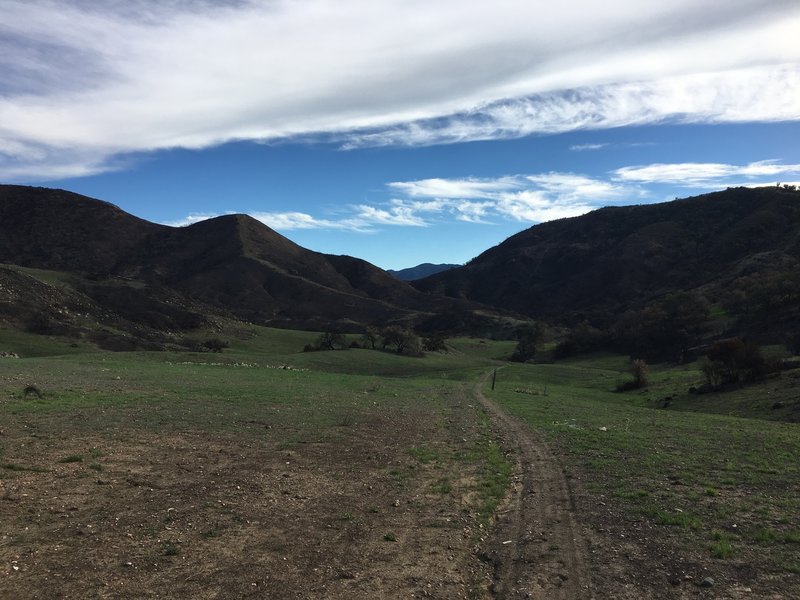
[733,360]
[639,369]
[434,343]
[215,344]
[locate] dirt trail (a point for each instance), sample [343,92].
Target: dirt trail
[537,547]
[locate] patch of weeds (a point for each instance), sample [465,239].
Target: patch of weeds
[169,548]
[682,520]
[710,491]
[791,537]
[494,480]
[71,458]
[390,537]
[790,567]
[443,486]
[635,495]
[348,516]
[347,420]
[423,455]
[374,509]
[766,536]
[721,546]
[773,536]
[211,533]
[16,467]
[96,466]
[400,475]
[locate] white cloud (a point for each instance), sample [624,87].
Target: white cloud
[82,82]
[584,147]
[286,221]
[454,188]
[191,219]
[703,174]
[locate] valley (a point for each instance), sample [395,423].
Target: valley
[264,471]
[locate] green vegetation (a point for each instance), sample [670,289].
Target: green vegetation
[711,479]
[694,473]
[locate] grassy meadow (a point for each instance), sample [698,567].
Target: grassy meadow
[372,428]
[724,485]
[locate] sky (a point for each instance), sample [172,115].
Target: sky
[398,131]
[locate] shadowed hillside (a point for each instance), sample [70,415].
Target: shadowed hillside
[128,273]
[732,247]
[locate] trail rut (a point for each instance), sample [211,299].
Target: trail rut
[537,547]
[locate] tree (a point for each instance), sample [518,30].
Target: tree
[733,360]
[370,338]
[402,340]
[528,336]
[331,341]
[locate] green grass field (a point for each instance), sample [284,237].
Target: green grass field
[728,484]
[699,473]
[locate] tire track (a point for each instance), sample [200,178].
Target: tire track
[537,548]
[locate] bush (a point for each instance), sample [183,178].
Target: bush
[733,360]
[639,369]
[434,343]
[215,344]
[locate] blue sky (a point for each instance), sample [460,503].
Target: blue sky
[398,132]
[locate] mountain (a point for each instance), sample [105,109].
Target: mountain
[420,271]
[735,248]
[70,263]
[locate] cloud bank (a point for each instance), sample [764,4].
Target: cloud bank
[84,84]
[526,199]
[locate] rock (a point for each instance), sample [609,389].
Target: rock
[707,582]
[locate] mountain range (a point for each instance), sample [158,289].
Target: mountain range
[79,266]
[69,260]
[420,271]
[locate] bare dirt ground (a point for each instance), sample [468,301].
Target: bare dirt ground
[343,513]
[239,515]
[537,548]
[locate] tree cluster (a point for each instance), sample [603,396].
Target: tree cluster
[666,329]
[391,338]
[528,337]
[733,360]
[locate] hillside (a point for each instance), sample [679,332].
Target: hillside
[72,264]
[732,247]
[420,271]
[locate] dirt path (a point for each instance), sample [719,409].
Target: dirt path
[537,547]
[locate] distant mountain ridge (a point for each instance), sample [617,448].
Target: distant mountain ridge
[420,271]
[126,269]
[73,265]
[597,266]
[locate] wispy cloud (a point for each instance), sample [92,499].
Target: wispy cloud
[585,147]
[84,82]
[706,174]
[531,198]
